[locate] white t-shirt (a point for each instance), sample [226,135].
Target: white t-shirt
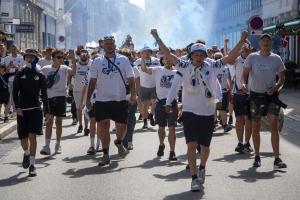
[110,86]
[18,63]
[238,73]
[194,98]
[263,71]
[136,75]
[60,85]
[223,77]
[81,72]
[163,78]
[44,62]
[147,80]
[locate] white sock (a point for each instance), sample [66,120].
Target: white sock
[57,143]
[26,152]
[47,142]
[32,160]
[92,141]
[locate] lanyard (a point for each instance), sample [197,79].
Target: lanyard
[110,66]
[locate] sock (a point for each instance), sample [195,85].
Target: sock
[47,142]
[105,151]
[201,167]
[26,152]
[119,142]
[98,142]
[92,139]
[57,142]
[194,177]
[32,160]
[241,142]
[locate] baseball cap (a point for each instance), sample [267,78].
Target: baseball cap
[32,52]
[146,48]
[198,47]
[265,35]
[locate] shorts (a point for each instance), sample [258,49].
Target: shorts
[77,97]
[57,106]
[225,101]
[114,110]
[198,128]
[164,119]
[25,123]
[147,94]
[241,105]
[4,97]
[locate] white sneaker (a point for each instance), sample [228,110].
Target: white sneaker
[195,185]
[130,146]
[45,151]
[201,176]
[57,149]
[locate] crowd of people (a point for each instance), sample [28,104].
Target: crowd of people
[197,87]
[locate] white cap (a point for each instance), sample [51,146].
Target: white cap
[146,48]
[197,47]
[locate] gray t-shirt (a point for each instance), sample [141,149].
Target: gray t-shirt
[263,71]
[60,85]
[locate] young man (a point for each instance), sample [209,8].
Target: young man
[47,60]
[263,67]
[241,104]
[163,78]
[111,73]
[82,67]
[28,86]
[199,84]
[56,91]
[147,92]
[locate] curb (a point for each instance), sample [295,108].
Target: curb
[8,129]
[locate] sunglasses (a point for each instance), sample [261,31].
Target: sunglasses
[59,57]
[109,38]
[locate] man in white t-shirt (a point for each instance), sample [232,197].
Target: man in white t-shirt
[147,93]
[13,62]
[109,74]
[56,76]
[82,67]
[47,60]
[164,77]
[198,98]
[262,67]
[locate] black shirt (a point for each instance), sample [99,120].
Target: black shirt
[28,86]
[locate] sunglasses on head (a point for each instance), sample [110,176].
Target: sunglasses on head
[109,38]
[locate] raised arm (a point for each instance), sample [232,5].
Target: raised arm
[74,65]
[165,50]
[235,52]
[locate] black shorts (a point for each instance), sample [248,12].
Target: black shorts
[114,110]
[4,97]
[147,94]
[57,106]
[198,128]
[164,119]
[241,105]
[225,101]
[30,122]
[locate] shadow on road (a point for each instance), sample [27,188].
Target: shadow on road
[14,180]
[9,140]
[186,195]
[76,159]
[251,175]
[231,158]
[183,174]
[73,136]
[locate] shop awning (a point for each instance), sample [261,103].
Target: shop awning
[288,28]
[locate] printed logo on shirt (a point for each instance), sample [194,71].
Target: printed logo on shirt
[23,77]
[166,81]
[263,66]
[36,78]
[107,70]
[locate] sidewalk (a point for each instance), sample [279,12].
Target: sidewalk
[7,128]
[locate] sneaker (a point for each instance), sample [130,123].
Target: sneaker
[201,176]
[257,162]
[160,151]
[187,167]
[130,146]
[32,172]
[86,131]
[74,122]
[145,124]
[140,117]
[98,148]
[104,160]
[151,118]
[230,120]
[80,128]
[57,149]
[248,148]
[227,128]
[5,119]
[172,156]
[91,151]
[239,148]
[26,161]
[195,185]
[122,152]
[45,151]
[278,164]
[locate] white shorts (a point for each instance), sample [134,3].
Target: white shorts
[77,97]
